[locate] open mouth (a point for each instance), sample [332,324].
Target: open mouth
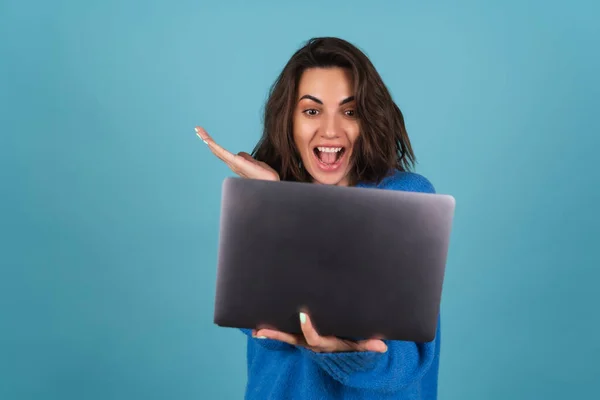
[329,156]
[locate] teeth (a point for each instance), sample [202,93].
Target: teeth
[329,149]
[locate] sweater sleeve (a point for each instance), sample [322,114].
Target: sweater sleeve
[404,363]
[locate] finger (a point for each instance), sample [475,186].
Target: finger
[202,134]
[288,338]
[217,150]
[251,167]
[226,156]
[221,153]
[246,156]
[262,166]
[234,169]
[243,164]
[249,158]
[310,334]
[237,171]
[233,162]
[374,345]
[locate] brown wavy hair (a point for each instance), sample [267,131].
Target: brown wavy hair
[382,145]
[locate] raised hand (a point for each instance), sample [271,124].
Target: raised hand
[241,163]
[320,344]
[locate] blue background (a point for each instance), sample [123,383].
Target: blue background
[110,203]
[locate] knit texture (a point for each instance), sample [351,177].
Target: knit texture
[407,370]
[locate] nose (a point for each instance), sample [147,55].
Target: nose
[331,127]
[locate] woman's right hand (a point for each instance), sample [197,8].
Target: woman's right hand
[241,163]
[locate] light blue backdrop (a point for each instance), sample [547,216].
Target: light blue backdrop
[110,203]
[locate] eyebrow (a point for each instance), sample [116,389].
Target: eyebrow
[316,100]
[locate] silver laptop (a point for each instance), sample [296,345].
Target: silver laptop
[361,262]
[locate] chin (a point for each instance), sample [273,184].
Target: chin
[330,180]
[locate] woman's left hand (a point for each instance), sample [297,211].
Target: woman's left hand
[320,344]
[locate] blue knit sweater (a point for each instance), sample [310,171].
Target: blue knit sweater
[407,370]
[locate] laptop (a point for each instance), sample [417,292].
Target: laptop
[362,262]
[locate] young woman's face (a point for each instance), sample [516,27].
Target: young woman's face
[325,124]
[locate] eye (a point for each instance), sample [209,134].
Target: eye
[311,112]
[350,113]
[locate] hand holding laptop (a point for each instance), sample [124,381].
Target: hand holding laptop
[320,344]
[242,164]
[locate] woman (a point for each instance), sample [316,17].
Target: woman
[331,120]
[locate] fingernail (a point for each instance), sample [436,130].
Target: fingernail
[302,318]
[260,337]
